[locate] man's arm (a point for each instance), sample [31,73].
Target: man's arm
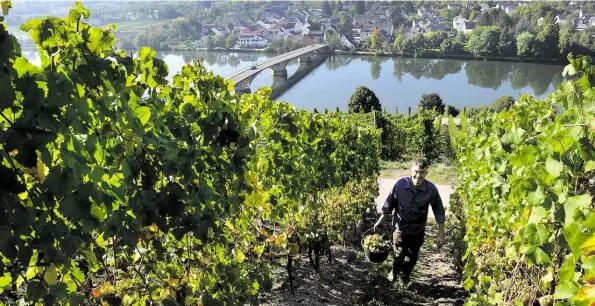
[440,216]
[388,207]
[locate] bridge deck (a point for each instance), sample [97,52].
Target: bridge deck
[248,72]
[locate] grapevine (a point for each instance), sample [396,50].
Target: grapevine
[121,188]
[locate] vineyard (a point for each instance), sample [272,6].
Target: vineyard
[119,188]
[524,216]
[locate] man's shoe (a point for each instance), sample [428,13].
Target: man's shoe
[405,282]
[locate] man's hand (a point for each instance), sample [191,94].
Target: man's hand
[440,241]
[441,236]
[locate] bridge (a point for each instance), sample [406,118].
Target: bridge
[278,64]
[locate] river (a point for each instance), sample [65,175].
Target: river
[398,82]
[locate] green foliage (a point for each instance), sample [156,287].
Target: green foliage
[118,187]
[363,100]
[526,193]
[432,101]
[502,103]
[483,41]
[452,111]
[526,45]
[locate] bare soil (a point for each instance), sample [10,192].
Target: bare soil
[353,280]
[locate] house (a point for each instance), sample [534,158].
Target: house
[313,29]
[461,24]
[300,23]
[385,26]
[429,25]
[249,39]
[359,20]
[307,40]
[346,43]
[508,8]
[563,19]
[264,24]
[275,33]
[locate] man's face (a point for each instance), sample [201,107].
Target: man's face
[418,175]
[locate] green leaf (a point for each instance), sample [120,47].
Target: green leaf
[6,6]
[553,167]
[590,165]
[51,275]
[98,211]
[541,257]
[566,290]
[143,113]
[575,238]
[574,203]
[566,272]
[22,66]
[537,214]
[84,11]
[5,281]
[146,53]
[537,234]
[468,284]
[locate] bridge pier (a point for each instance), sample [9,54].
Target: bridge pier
[278,72]
[279,78]
[240,91]
[304,60]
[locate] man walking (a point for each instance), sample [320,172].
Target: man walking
[410,199]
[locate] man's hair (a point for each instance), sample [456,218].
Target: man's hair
[421,162]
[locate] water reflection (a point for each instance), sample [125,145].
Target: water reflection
[459,82]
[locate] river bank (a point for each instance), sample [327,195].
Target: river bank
[432,55]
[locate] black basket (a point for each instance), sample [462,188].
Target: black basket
[375,257]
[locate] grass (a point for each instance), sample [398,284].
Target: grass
[439,173]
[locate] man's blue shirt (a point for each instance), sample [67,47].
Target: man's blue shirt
[411,205]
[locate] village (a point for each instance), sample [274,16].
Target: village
[315,26]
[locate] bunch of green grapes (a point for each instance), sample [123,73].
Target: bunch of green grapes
[375,243]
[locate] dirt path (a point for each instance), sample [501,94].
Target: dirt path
[352,280]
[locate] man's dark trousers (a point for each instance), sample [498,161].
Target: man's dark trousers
[406,246]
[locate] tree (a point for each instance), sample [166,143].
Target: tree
[363,100]
[398,44]
[375,40]
[360,7]
[434,39]
[548,38]
[525,43]
[484,41]
[339,7]
[345,25]
[210,43]
[507,43]
[417,45]
[502,103]
[169,12]
[522,26]
[334,41]
[219,40]
[231,40]
[432,101]
[447,46]
[453,111]
[326,8]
